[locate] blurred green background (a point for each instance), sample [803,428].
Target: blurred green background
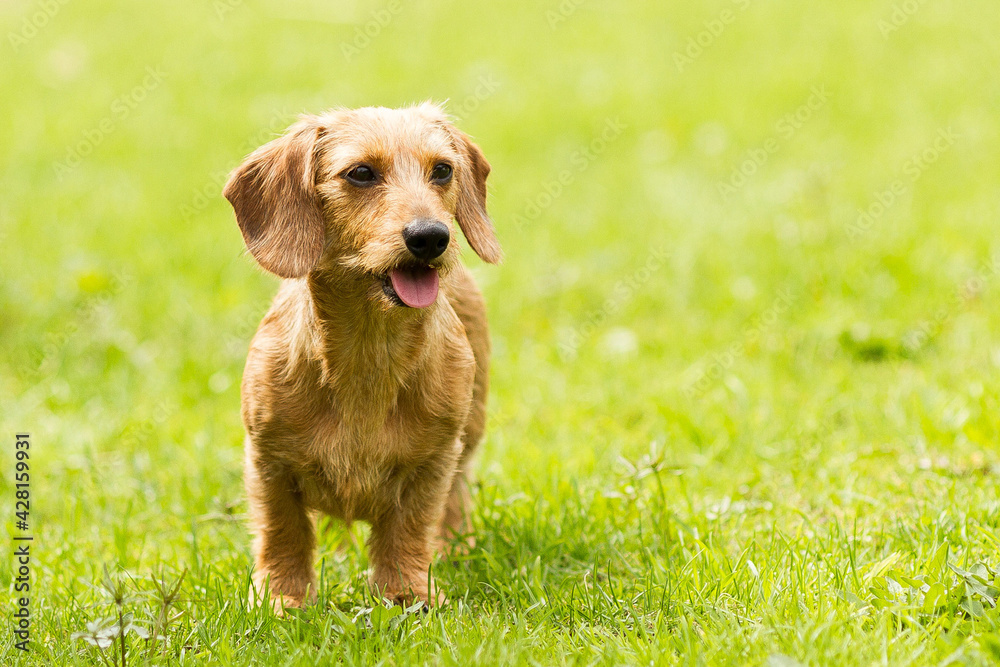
[747,314]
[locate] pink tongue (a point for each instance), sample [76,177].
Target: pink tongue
[418,288]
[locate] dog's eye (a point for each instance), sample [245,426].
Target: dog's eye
[441,173]
[361,175]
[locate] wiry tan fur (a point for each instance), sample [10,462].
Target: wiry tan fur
[355,406]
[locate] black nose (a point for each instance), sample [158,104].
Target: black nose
[426,239]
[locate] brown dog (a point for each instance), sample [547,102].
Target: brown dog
[365,387]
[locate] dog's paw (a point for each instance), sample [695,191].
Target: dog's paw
[261,593]
[431,595]
[278,603]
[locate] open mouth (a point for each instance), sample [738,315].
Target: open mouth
[412,286]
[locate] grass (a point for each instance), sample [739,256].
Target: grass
[745,389]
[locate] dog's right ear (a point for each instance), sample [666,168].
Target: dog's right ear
[274,196]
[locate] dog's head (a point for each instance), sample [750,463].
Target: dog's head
[374,192]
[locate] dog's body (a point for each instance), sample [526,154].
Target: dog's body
[354,403]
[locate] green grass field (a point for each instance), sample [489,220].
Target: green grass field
[747,345]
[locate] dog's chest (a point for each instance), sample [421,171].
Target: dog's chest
[357,466]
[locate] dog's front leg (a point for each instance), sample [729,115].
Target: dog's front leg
[401,545]
[285,538]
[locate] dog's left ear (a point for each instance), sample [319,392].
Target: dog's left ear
[471,208]
[277,207]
